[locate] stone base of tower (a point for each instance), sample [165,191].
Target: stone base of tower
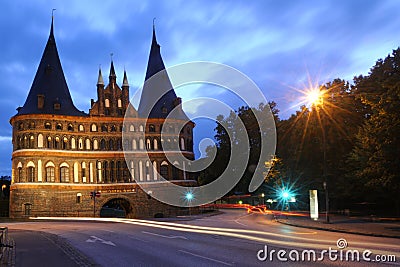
[72,200]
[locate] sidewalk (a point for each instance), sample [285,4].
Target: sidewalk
[345,224]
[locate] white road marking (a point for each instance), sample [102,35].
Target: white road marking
[95,238]
[165,236]
[136,238]
[110,231]
[207,258]
[237,220]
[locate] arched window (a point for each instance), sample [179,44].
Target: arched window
[88,144]
[95,144]
[78,198]
[104,128]
[141,144]
[126,144]
[164,170]
[70,128]
[105,171]
[131,128]
[182,143]
[140,128]
[31,142]
[73,143]
[119,102]
[19,143]
[65,143]
[83,172]
[19,174]
[40,141]
[112,170]
[57,143]
[155,144]
[155,172]
[103,144]
[175,173]
[30,172]
[132,171]
[99,171]
[93,128]
[147,170]
[47,126]
[59,126]
[140,170]
[134,144]
[81,128]
[64,174]
[107,103]
[152,128]
[113,128]
[111,144]
[49,142]
[148,144]
[50,169]
[119,178]
[80,143]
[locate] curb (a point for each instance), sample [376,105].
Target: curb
[338,230]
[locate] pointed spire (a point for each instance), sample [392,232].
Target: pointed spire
[155,63]
[125,81]
[158,96]
[52,22]
[112,71]
[100,80]
[154,40]
[50,85]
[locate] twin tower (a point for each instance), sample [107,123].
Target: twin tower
[61,154]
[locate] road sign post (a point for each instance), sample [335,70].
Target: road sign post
[93,195]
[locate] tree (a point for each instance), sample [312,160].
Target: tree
[375,159]
[231,124]
[301,140]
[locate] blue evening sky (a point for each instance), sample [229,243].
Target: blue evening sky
[277,44]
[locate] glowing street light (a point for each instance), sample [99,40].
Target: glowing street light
[189,196]
[285,194]
[315,98]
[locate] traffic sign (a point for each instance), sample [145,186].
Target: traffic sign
[95,194]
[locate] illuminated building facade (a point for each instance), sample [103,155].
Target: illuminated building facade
[61,155]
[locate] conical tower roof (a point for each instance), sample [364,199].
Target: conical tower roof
[49,93]
[158,96]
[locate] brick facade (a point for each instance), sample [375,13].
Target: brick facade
[60,156]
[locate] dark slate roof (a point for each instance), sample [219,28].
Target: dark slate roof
[50,84]
[158,94]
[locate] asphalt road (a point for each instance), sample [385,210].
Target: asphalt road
[233,238]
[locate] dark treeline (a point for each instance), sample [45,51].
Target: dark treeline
[351,141]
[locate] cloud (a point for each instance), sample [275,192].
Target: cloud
[278,44]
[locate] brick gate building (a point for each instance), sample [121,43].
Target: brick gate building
[61,154]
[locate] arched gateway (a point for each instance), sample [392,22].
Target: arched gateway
[116,207]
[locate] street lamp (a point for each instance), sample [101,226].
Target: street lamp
[315,97]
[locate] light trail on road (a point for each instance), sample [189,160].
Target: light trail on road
[252,235]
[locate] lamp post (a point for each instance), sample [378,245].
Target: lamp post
[315,98]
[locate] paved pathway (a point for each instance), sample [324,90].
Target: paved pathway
[354,225]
